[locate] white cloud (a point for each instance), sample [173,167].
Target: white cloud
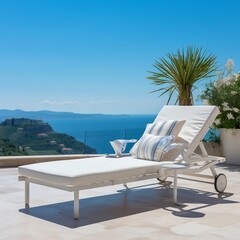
[49,102]
[80,103]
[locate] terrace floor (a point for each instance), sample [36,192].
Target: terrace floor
[145,211]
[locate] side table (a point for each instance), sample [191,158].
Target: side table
[175,167]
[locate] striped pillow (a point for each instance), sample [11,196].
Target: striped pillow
[152,147]
[161,128]
[165,128]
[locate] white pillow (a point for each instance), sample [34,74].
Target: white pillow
[161,128]
[152,147]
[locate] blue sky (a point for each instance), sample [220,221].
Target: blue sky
[92,56]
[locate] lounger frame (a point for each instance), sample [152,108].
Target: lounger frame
[76,189]
[164,172]
[190,164]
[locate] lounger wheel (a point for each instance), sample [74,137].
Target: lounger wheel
[162,179]
[220,183]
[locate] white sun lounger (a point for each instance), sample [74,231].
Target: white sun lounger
[75,175]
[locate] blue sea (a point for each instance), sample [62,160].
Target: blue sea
[98,131]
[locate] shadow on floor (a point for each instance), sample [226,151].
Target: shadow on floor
[125,203]
[230,167]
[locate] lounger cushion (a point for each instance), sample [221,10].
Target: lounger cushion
[87,171]
[160,128]
[198,120]
[152,147]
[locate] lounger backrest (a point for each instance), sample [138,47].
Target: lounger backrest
[198,121]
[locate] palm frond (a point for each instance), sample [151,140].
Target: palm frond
[181,72]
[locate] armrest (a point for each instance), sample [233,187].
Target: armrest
[177,153]
[119,145]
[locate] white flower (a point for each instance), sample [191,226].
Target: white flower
[225,104]
[234,92]
[218,83]
[227,109]
[219,74]
[217,121]
[234,77]
[229,66]
[235,110]
[227,80]
[230,116]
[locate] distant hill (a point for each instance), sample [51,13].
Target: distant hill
[22,136]
[46,115]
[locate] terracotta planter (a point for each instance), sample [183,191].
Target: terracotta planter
[230,139]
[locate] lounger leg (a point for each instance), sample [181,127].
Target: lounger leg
[214,173]
[27,189]
[175,187]
[76,204]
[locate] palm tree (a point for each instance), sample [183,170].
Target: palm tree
[179,73]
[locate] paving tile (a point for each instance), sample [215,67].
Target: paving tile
[144,212]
